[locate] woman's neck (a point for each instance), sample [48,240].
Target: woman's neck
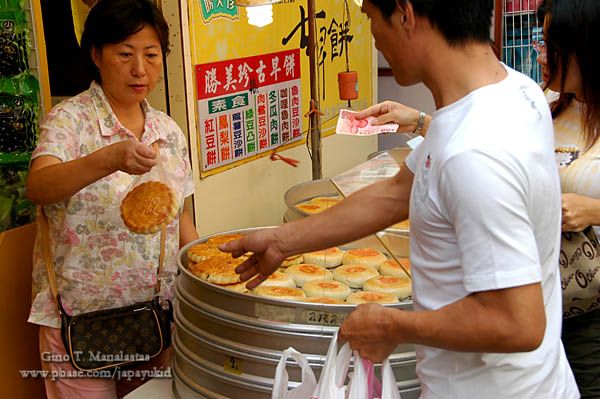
[131,116]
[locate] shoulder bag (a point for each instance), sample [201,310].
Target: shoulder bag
[580,272]
[118,337]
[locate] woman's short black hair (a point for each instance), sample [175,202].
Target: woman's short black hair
[460,21]
[112,21]
[572,28]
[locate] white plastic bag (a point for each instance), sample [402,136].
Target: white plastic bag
[389,388]
[328,386]
[363,382]
[280,387]
[364,385]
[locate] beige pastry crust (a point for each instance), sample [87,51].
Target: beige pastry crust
[356,298]
[279,279]
[310,208]
[148,207]
[364,256]
[354,275]
[223,238]
[307,272]
[325,300]
[398,286]
[287,293]
[292,260]
[330,257]
[393,268]
[326,202]
[239,287]
[200,252]
[329,289]
[218,270]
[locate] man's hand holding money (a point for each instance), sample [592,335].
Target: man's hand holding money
[393,112]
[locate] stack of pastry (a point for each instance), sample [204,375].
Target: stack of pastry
[329,276]
[208,263]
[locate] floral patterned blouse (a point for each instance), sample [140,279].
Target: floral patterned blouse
[98,262]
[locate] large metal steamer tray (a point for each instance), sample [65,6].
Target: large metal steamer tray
[277,310]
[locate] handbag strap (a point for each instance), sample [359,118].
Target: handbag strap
[45,234]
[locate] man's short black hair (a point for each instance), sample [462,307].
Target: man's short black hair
[460,21]
[112,21]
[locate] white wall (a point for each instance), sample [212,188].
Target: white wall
[251,195]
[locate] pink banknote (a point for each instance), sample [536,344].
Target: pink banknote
[348,124]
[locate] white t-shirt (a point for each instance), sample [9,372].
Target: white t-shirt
[485,215]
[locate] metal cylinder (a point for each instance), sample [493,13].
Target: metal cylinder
[228,344]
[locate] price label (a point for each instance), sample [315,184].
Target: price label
[234,365]
[320,318]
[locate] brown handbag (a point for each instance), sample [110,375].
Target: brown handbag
[580,272]
[112,338]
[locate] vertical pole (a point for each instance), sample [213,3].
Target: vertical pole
[315,117]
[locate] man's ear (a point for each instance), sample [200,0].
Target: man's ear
[407,14]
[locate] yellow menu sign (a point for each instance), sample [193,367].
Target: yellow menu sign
[253,84]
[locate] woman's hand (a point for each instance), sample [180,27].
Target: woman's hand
[132,157]
[392,112]
[579,212]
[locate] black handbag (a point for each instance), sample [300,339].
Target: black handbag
[118,337]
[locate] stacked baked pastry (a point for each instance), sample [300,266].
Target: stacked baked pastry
[329,276]
[320,204]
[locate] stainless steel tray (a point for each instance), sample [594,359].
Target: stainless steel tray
[281,310]
[218,328]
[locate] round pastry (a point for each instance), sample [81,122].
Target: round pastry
[364,256]
[148,207]
[217,270]
[325,300]
[393,268]
[306,272]
[398,286]
[326,202]
[287,293]
[199,252]
[354,275]
[292,260]
[330,257]
[222,239]
[279,279]
[310,208]
[329,289]
[239,287]
[356,298]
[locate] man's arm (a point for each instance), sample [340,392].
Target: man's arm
[498,321]
[365,212]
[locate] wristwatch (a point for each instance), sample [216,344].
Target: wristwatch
[420,123]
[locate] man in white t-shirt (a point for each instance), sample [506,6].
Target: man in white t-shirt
[484,201]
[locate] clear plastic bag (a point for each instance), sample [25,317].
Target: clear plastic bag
[150,202]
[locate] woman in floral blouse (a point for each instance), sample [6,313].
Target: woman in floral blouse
[92,147]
